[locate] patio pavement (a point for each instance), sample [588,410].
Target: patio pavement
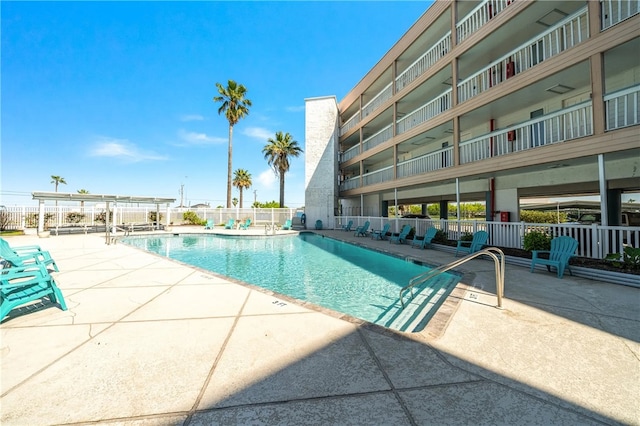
[150,341]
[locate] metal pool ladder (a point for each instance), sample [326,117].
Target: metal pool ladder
[492,252]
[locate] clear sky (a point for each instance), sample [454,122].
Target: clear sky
[116,97]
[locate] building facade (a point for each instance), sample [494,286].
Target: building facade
[491,101]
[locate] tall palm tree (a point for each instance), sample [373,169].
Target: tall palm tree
[277,154]
[235,107]
[57,180]
[82,191]
[241,180]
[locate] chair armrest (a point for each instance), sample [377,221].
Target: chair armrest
[535,253]
[463,243]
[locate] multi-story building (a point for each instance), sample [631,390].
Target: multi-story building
[493,101]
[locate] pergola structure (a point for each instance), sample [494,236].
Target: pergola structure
[101,198]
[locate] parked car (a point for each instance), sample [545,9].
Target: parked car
[416,216]
[627,219]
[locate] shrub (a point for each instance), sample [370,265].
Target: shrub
[440,237]
[5,220]
[536,240]
[152,217]
[32,219]
[73,217]
[102,217]
[467,236]
[192,218]
[535,216]
[628,259]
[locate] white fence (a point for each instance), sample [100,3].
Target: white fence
[595,241]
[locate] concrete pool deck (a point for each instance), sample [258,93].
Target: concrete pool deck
[150,341]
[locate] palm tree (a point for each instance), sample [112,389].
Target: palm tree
[56,180]
[235,107]
[82,191]
[241,180]
[277,154]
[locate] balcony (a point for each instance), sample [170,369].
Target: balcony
[423,63]
[479,16]
[425,112]
[378,138]
[350,183]
[379,99]
[350,153]
[614,11]
[350,123]
[378,176]
[560,126]
[426,163]
[622,108]
[571,31]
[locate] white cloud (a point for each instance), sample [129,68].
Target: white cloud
[124,150]
[194,138]
[191,117]
[258,133]
[268,179]
[295,108]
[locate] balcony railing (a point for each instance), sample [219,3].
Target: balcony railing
[380,137]
[480,16]
[623,108]
[384,95]
[426,163]
[425,112]
[573,30]
[350,153]
[351,183]
[423,63]
[378,176]
[614,11]
[569,123]
[350,123]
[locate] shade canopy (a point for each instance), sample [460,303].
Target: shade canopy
[63,196]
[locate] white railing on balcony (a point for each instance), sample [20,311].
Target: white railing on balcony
[573,30]
[560,126]
[425,112]
[377,138]
[350,153]
[350,123]
[426,163]
[384,95]
[424,62]
[350,183]
[480,16]
[614,11]
[378,176]
[622,108]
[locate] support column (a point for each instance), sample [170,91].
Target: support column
[40,216]
[444,209]
[614,207]
[597,92]
[604,210]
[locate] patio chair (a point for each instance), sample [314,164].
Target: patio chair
[479,240]
[246,224]
[209,224]
[426,240]
[230,224]
[25,255]
[318,224]
[402,236]
[562,250]
[348,226]
[287,225]
[361,231]
[381,234]
[20,285]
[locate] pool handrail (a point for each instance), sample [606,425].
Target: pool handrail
[489,251]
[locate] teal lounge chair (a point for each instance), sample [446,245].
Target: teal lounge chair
[361,231]
[230,224]
[381,234]
[479,240]
[209,224]
[246,224]
[426,240]
[25,255]
[20,285]
[562,250]
[348,226]
[287,225]
[402,236]
[318,224]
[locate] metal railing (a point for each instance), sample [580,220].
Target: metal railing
[378,176]
[479,16]
[573,30]
[384,95]
[350,183]
[424,62]
[489,251]
[350,123]
[614,11]
[426,163]
[425,112]
[350,153]
[378,138]
[622,108]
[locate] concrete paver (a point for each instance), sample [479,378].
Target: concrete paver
[150,341]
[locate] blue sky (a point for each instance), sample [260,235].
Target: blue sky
[116,97]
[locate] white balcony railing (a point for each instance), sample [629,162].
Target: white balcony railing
[378,138]
[560,126]
[378,176]
[573,30]
[426,163]
[350,183]
[384,95]
[425,112]
[622,108]
[350,123]
[424,62]
[480,16]
[614,11]
[350,153]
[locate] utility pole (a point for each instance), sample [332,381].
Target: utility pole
[255,196]
[181,195]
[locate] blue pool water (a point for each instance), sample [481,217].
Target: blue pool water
[336,275]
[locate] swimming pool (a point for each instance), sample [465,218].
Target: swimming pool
[343,277]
